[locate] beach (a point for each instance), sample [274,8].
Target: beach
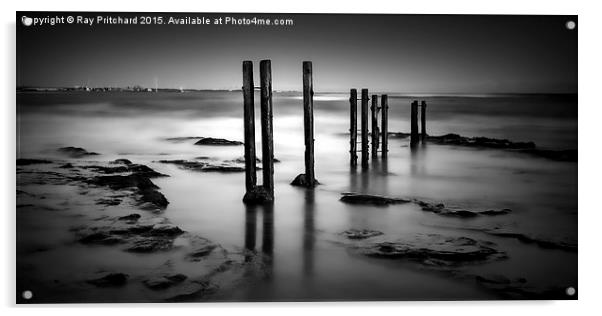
[469,222]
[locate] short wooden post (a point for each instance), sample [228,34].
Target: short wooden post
[308,179]
[374,134]
[267,141]
[414,124]
[423,120]
[353,127]
[384,105]
[249,125]
[364,127]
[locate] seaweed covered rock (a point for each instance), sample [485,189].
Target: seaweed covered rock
[368,199]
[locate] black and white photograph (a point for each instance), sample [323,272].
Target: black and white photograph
[202,157]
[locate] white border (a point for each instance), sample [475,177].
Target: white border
[590,115]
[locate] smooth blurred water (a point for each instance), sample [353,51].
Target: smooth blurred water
[300,232]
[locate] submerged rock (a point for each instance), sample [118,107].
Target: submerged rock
[200,252]
[482,142]
[130,218]
[122,161]
[529,239]
[76,152]
[108,201]
[301,181]
[217,142]
[361,233]
[257,196]
[503,211]
[111,279]
[151,244]
[203,166]
[30,161]
[440,209]
[367,199]
[148,196]
[165,281]
[434,249]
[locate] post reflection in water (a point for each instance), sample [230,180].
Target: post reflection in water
[418,163]
[250,231]
[308,233]
[267,243]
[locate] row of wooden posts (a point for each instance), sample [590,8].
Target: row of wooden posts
[265,192]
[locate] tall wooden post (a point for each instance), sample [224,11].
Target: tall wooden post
[353,127]
[267,141]
[423,120]
[384,105]
[414,124]
[374,134]
[364,127]
[249,123]
[308,179]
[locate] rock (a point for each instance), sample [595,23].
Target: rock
[101,238]
[108,201]
[361,233]
[152,200]
[203,166]
[482,142]
[130,218]
[569,155]
[257,196]
[122,161]
[539,241]
[503,211]
[107,170]
[165,230]
[66,166]
[367,199]
[440,209]
[200,252]
[29,161]
[111,279]
[182,139]
[434,249]
[150,244]
[301,181]
[241,160]
[144,170]
[217,142]
[163,282]
[118,182]
[75,152]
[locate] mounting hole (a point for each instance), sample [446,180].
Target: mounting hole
[570,291]
[571,25]
[27,295]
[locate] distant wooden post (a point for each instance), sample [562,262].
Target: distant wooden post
[414,124]
[267,141]
[353,127]
[364,127]
[384,105]
[249,123]
[374,134]
[423,120]
[308,179]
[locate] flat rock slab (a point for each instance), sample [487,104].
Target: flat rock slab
[361,233]
[217,142]
[367,199]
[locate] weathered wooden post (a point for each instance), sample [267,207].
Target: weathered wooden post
[353,127]
[423,120]
[374,134]
[267,140]
[364,127]
[308,179]
[384,105]
[249,125]
[414,124]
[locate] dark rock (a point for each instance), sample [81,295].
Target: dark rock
[130,218]
[367,199]
[361,233]
[203,166]
[200,252]
[482,142]
[107,170]
[433,249]
[163,282]
[29,161]
[217,142]
[257,196]
[122,161]
[100,238]
[301,181]
[152,199]
[111,279]
[221,168]
[182,139]
[67,166]
[503,211]
[75,152]
[118,182]
[108,201]
[440,209]
[165,230]
[150,244]
[241,160]
[539,241]
[144,170]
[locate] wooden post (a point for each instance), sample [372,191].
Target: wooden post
[414,124]
[423,120]
[249,122]
[384,105]
[353,127]
[267,141]
[308,179]
[308,115]
[364,127]
[374,140]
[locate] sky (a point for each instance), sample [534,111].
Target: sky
[385,53]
